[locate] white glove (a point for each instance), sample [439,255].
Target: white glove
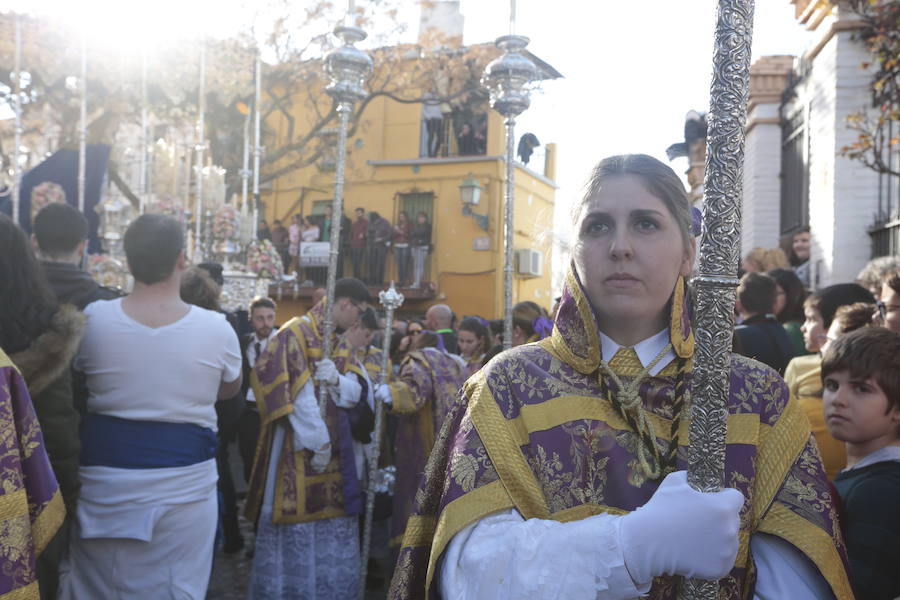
[326,372]
[681,531]
[321,458]
[383,394]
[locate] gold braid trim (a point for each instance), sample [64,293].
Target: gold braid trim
[403,401]
[419,531]
[6,361]
[584,364]
[815,543]
[29,592]
[743,428]
[47,522]
[779,447]
[505,454]
[461,513]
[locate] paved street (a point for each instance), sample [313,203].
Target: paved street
[231,572]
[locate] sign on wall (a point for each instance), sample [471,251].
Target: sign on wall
[314,254]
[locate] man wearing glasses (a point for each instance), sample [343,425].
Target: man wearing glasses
[304,490]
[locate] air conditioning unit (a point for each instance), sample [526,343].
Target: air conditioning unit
[529,262]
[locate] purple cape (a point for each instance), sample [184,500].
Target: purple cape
[536,433]
[429,386]
[30,503]
[301,494]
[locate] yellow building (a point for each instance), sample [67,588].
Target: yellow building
[386,172]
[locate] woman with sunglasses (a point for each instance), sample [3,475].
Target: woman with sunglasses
[561,473]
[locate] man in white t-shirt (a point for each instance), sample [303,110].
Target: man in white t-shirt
[155,367]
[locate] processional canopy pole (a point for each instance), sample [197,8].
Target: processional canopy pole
[391,300]
[82,129]
[257,143]
[508,79]
[719,249]
[348,68]
[17,107]
[199,148]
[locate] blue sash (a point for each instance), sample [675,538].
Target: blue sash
[127,444]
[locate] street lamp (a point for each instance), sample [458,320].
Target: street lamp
[470,193]
[508,79]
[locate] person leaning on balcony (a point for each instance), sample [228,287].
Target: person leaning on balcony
[420,240]
[358,233]
[380,232]
[401,248]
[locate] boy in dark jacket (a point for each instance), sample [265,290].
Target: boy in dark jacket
[861,377]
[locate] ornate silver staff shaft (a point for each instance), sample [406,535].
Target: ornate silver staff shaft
[391,300]
[348,68]
[508,80]
[719,248]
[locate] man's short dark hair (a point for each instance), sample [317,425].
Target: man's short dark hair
[360,209]
[59,228]
[756,293]
[215,271]
[829,299]
[350,287]
[868,352]
[261,302]
[152,245]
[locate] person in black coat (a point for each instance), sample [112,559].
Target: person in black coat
[760,336]
[262,321]
[59,239]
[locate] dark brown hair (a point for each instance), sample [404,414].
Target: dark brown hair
[659,179]
[199,289]
[524,313]
[855,316]
[756,293]
[829,299]
[868,352]
[261,302]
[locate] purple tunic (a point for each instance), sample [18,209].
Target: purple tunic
[536,433]
[301,494]
[32,507]
[429,386]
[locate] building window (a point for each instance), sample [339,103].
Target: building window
[459,131]
[794,169]
[885,231]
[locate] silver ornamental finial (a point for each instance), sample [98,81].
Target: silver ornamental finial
[509,77]
[348,66]
[390,298]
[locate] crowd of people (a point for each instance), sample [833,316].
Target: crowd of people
[556,467]
[365,241]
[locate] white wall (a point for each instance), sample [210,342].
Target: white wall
[843,194]
[762,185]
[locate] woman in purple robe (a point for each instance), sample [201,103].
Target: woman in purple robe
[561,474]
[422,396]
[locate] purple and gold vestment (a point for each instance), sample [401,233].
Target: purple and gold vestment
[301,494]
[534,432]
[31,507]
[429,386]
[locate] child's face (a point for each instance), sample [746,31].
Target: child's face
[856,412]
[813,329]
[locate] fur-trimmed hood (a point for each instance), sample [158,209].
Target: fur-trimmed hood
[52,351]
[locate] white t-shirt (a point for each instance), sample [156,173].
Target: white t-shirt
[170,373]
